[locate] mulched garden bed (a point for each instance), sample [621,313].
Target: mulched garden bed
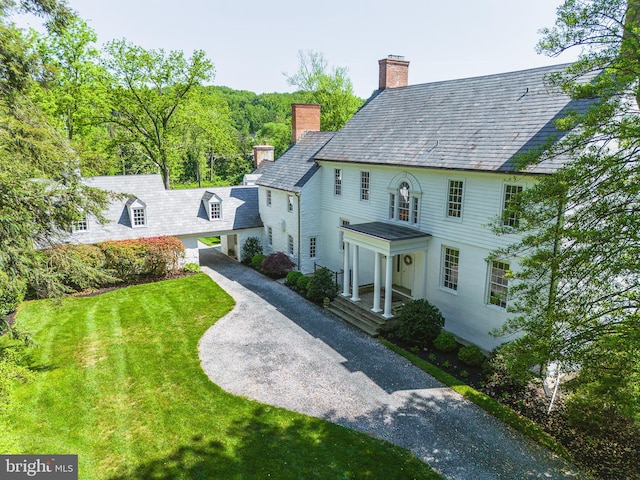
[447,362]
[609,450]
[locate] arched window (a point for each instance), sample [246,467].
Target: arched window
[404,204]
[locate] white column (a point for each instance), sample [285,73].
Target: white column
[356,266]
[345,268]
[424,275]
[376,284]
[387,288]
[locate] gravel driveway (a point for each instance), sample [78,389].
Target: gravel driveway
[279,349]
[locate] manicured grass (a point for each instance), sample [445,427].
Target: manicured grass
[210,241]
[485,402]
[120,385]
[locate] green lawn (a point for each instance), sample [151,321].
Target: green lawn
[210,241]
[120,385]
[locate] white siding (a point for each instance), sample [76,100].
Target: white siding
[465,311]
[311,224]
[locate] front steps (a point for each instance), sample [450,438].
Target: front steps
[367,321]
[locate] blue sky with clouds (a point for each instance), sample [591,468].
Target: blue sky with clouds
[252,43]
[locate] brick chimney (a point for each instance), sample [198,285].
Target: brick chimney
[394,72]
[262,153]
[304,118]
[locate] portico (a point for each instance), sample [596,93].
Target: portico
[387,242]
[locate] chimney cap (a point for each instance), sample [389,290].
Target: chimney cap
[395,57]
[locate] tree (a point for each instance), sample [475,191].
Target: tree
[576,298]
[149,91]
[207,132]
[72,90]
[332,90]
[41,192]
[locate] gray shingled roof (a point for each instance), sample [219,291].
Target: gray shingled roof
[170,212]
[295,167]
[470,124]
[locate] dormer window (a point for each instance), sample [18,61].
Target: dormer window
[139,217]
[137,212]
[213,205]
[216,211]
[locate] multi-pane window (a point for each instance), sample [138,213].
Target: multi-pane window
[404,205]
[269,236]
[268,198]
[290,203]
[454,203]
[392,206]
[216,211]
[313,245]
[498,284]
[290,243]
[509,213]
[337,181]
[364,185]
[343,223]
[81,225]
[450,264]
[139,217]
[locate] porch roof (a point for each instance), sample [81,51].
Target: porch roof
[386,238]
[387,231]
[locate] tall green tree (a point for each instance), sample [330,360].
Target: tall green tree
[150,88]
[41,192]
[332,89]
[207,133]
[73,88]
[576,299]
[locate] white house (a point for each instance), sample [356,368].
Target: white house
[401,198]
[398,202]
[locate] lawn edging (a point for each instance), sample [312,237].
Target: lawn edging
[488,404]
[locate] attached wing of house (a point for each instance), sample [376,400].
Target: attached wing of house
[146,209]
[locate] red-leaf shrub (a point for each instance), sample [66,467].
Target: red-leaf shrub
[143,256]
[277,265]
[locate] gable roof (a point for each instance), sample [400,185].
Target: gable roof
[469,124]
[296,166]
[171,212]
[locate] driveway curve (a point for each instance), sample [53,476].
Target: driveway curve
[279,349]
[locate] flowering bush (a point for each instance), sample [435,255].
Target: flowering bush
[142,257]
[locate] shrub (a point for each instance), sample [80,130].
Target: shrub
[163,254]
[420,322]
[445,342]
[322,285]
[191,268]
[256,260]
[12,292]
[302,284]
[142,257]
[72,268]
[277,265]
[471,355]
[250,249]
[292,278]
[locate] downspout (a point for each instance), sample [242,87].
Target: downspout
[299,230]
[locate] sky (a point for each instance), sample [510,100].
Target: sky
[253,44]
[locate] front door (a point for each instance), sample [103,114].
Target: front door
[403,273]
